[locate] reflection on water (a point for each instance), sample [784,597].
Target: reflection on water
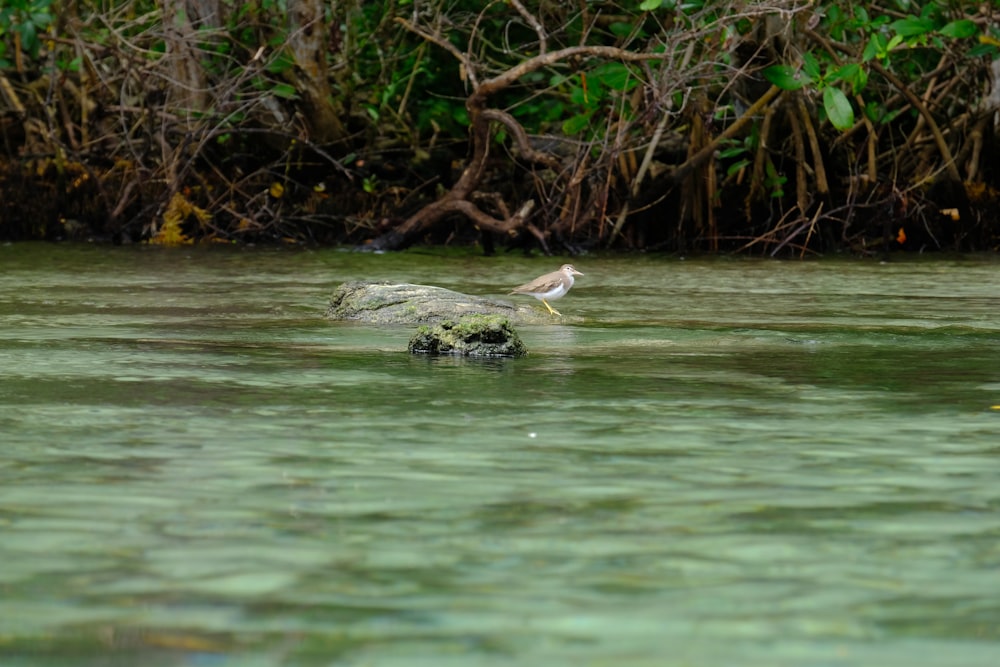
[726,462]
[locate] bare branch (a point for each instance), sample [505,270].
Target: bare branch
[501,81]
[444,44]
[534,23]
[527,151]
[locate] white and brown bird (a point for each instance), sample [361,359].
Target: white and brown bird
[551,286]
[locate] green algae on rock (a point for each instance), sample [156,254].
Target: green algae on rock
[470,336]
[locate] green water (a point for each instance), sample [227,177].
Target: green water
[723,462]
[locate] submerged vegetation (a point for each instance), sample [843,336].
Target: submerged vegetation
[778,127]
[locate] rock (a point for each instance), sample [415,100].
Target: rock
[470,336]
[389,303]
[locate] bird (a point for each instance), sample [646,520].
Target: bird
[550,286]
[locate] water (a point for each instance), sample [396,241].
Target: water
[725,462]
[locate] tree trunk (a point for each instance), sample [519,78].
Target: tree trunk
[187,81]
[308,40]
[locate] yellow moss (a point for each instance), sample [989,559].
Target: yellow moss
[179,210]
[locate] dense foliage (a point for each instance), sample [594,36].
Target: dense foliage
[780,126]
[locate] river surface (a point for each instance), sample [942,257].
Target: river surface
[725,462]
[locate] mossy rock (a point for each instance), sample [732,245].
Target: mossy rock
[470,336]
[390,303]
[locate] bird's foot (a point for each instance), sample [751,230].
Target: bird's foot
[552,311]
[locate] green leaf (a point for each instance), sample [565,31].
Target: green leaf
[649,5]
[552,111]
[810,66]
[838,108]
[912,26]
[615,76]
[722,111]
[285,91]
[736,166]
[860,81]
[281,63]
[72,65]
[853,74]
[959,29]
[976,51]
[29,38]
[887,118]
[786,77]
[874,111]
[621,29]
[875,48]
[835,22]
[589,96]
[576,124]
[844,73]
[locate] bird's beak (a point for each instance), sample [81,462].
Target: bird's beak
[576,273]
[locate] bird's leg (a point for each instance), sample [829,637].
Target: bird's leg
[552,311]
